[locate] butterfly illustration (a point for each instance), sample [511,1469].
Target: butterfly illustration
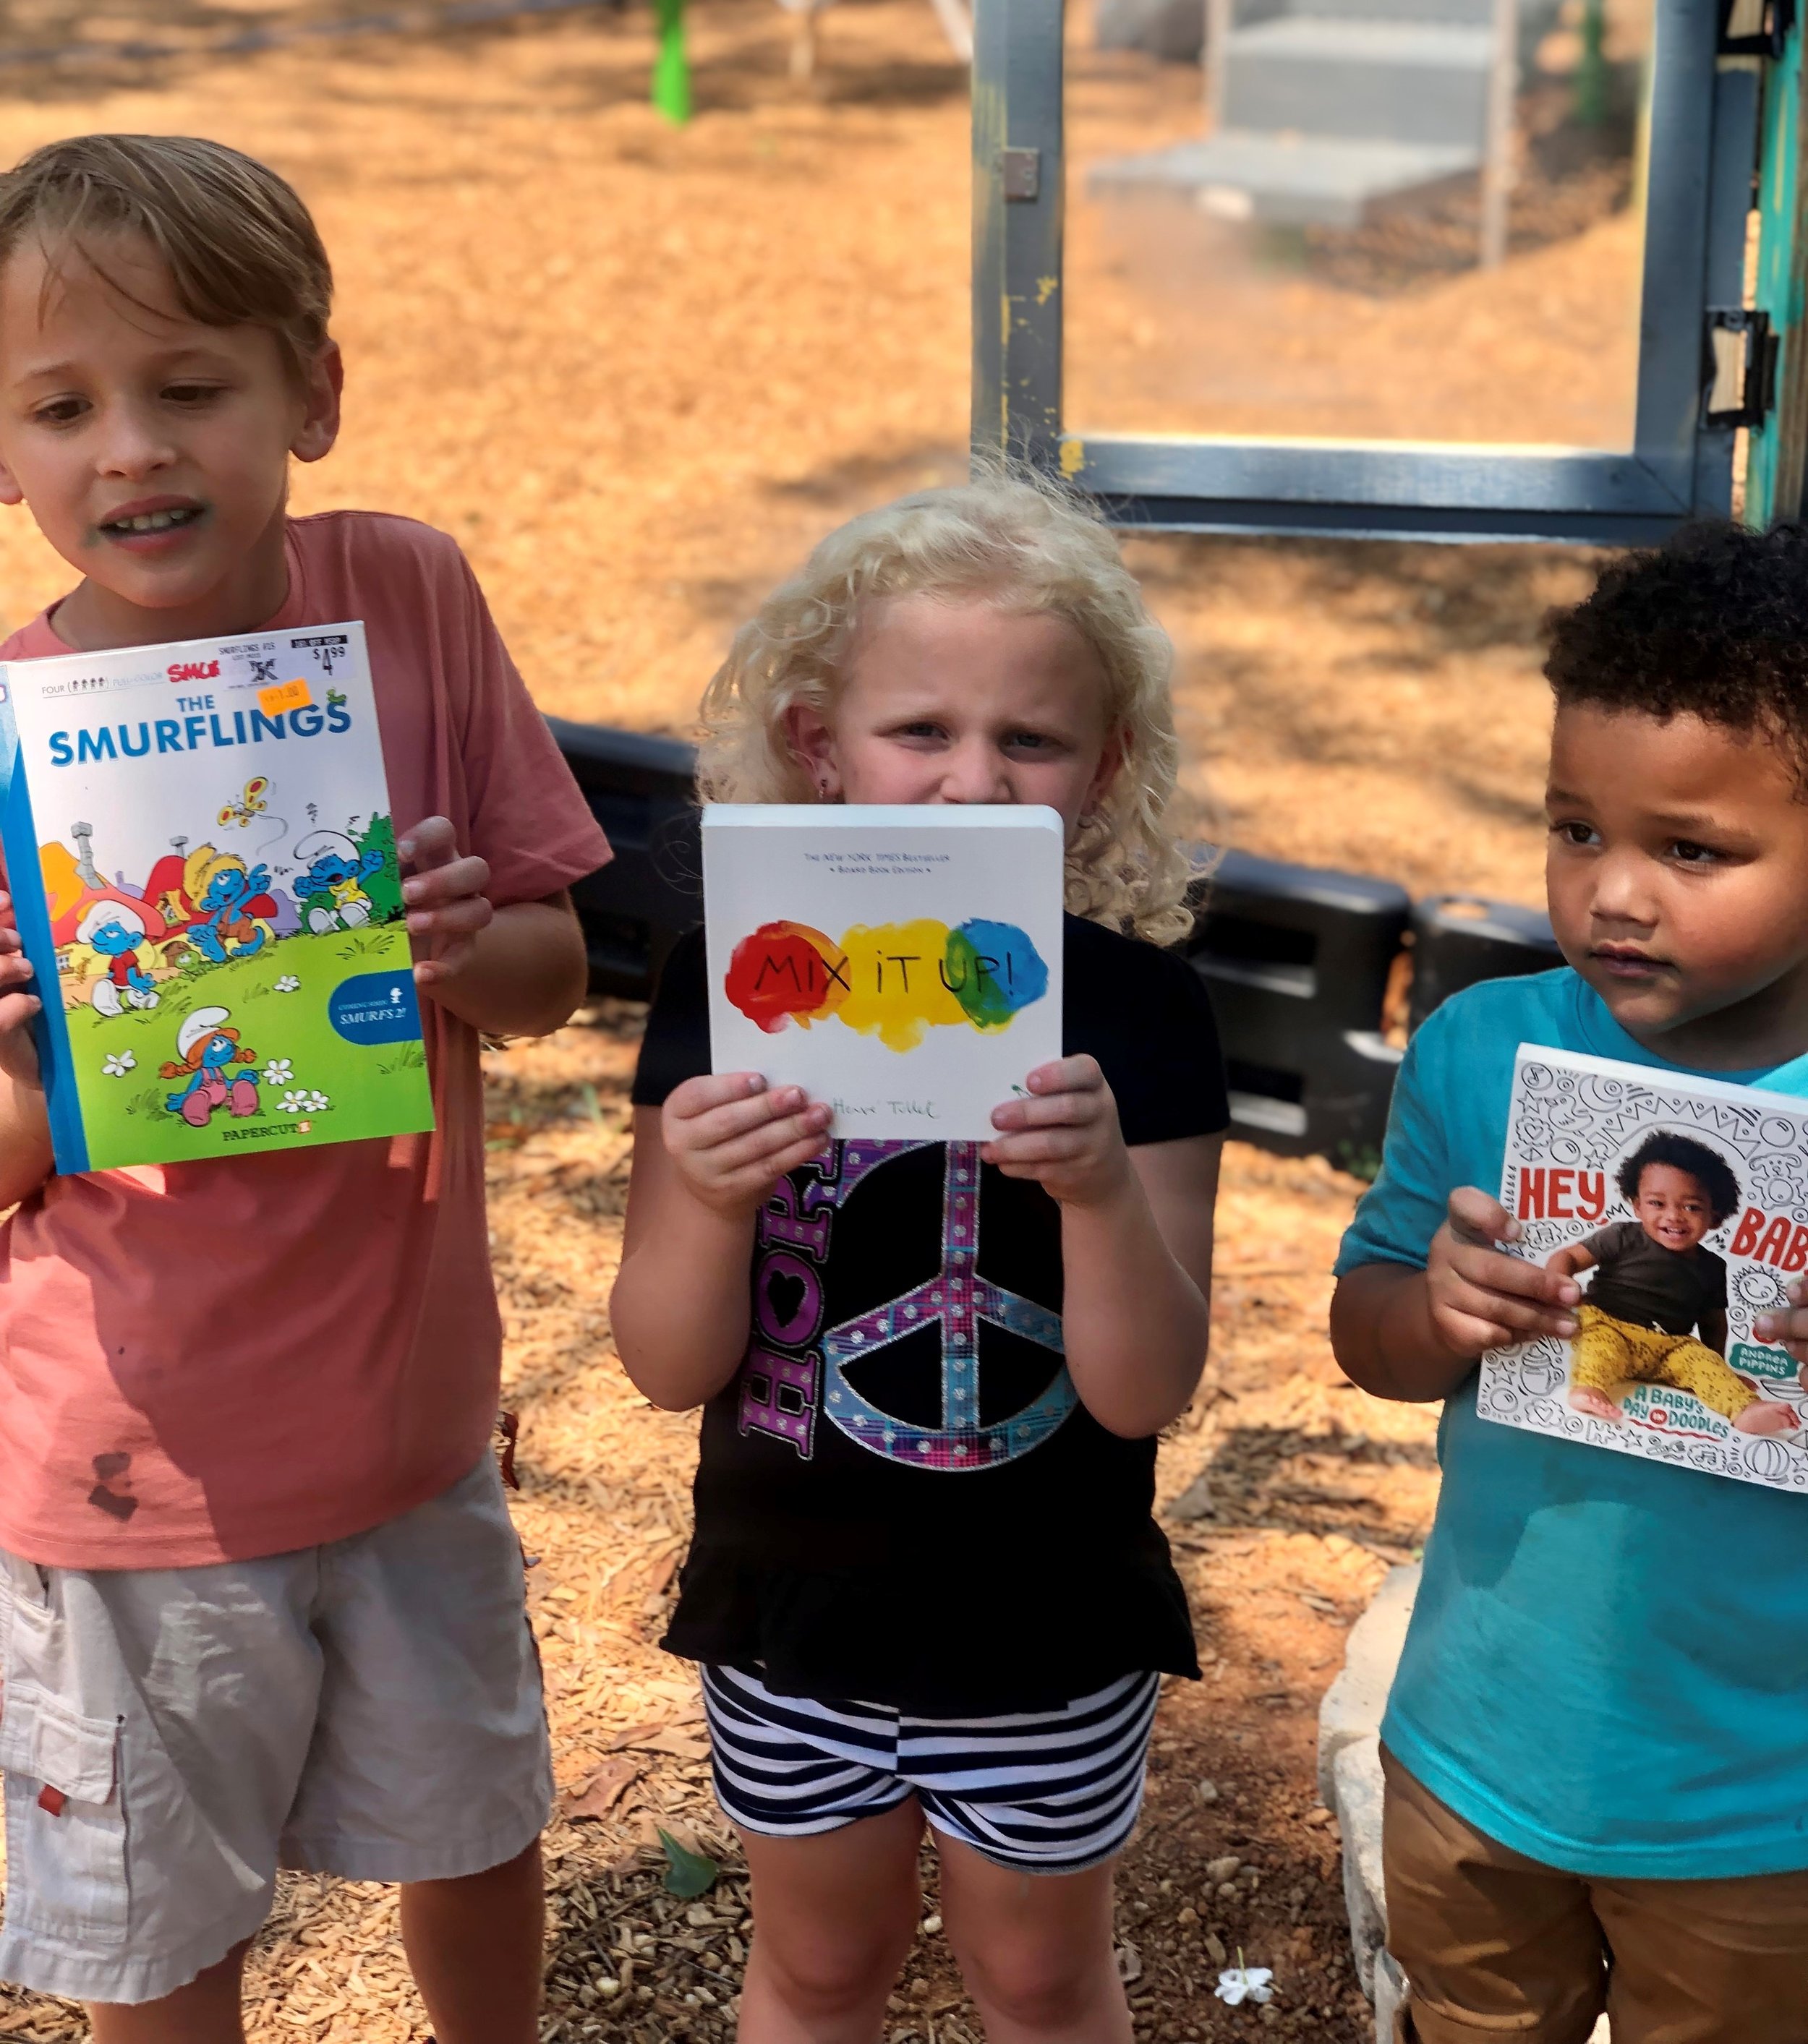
[248,805]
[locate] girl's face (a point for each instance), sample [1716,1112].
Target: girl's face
[962,702]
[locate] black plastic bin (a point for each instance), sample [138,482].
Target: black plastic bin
[1298,960]
[1460,939]
[642,791]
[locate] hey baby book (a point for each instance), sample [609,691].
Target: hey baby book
[903,964]
[204,870]
[1680,1206]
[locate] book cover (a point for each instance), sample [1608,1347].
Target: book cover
[1680,1206]
[902,964]
[204,870]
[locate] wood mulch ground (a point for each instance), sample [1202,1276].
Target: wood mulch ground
[637,371]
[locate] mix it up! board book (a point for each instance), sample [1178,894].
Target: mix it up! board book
[204,870]
[902,963]
[1680,1206]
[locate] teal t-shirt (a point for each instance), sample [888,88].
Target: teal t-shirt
[1607,1667]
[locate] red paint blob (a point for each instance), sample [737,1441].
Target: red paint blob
[779,974]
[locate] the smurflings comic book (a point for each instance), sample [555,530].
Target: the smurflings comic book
[1680,1206]
[199,847]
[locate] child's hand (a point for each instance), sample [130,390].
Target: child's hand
[1790,1329]
[1481,1298]
[19,1005]
[733,1138]
[1063,1132]
[447,905]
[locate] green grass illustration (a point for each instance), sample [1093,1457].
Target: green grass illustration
[373,1088]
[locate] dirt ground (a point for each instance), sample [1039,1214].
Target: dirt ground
[637,370]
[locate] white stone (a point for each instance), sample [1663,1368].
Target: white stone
[1355,1795]
[1354,1703]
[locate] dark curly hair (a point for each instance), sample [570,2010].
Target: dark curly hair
[1714,623]
[1707,1167]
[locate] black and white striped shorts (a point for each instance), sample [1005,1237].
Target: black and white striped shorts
[1040,1792]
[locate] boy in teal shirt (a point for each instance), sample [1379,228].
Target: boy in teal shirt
[1597,1743]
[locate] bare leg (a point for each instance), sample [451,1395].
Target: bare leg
[1036,1950]
[477,1948]
[205,2011]
[833,1916]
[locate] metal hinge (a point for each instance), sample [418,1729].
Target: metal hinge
[1020,171]
[1738,368]
[1755,28]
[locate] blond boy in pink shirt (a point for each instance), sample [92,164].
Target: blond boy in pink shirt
[260,1601]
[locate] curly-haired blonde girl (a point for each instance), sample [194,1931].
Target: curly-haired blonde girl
[1024,545]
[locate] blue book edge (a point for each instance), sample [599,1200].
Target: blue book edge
[24,876]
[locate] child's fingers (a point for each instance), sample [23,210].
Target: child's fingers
[1051,1110]
[1038,1146]
[1503,1310]
[432,842]
[462,918]
[1066,1075]
[1477,1217]
[728,1119]
[760,1146]
[445,964]
[1493,1271]
[1789,1329]
[454,880]
[691,1097]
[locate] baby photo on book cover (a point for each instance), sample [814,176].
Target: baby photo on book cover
[1680,1206]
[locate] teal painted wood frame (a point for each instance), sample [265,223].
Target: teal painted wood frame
[1777,451]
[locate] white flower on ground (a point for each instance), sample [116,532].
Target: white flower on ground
[287,983]
[279,1072]
[118,1064]
[316,1101]
[1238,1983]
[292,1103]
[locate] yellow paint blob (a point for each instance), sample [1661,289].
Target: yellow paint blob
[896,988]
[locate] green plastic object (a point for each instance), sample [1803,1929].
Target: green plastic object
[672,67]
[1775,454]
[687,1874]
[1591,72]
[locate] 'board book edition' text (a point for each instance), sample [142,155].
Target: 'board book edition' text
[204,870]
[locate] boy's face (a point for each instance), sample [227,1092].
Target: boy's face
[1677,870]
[153,450]
[1672,1206]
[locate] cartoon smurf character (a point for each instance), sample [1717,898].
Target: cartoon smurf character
[330,893]
[231,905]
[208,1050]
[116,929]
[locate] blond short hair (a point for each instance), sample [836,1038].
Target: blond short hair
[241,247]
[1023,543]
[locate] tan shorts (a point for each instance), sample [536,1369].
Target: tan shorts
[170,1737]
[1496,1946]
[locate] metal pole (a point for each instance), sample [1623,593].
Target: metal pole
[1497,164]
[1019,178]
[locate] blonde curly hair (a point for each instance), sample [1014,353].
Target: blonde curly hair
[1022,543]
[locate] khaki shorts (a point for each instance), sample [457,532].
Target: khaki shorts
[171,1737]
[1497,1946]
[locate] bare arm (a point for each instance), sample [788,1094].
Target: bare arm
[514,971]
[1136,1314]
[704,1165]
[1415,1335]
[1135,1243]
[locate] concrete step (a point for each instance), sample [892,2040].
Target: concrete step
[1314,75]
[1286,183]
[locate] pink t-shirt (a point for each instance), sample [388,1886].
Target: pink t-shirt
[217,1361]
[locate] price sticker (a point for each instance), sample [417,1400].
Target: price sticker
[284,695]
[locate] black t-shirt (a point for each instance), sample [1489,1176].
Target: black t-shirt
[1640,1281]
[899,1497]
